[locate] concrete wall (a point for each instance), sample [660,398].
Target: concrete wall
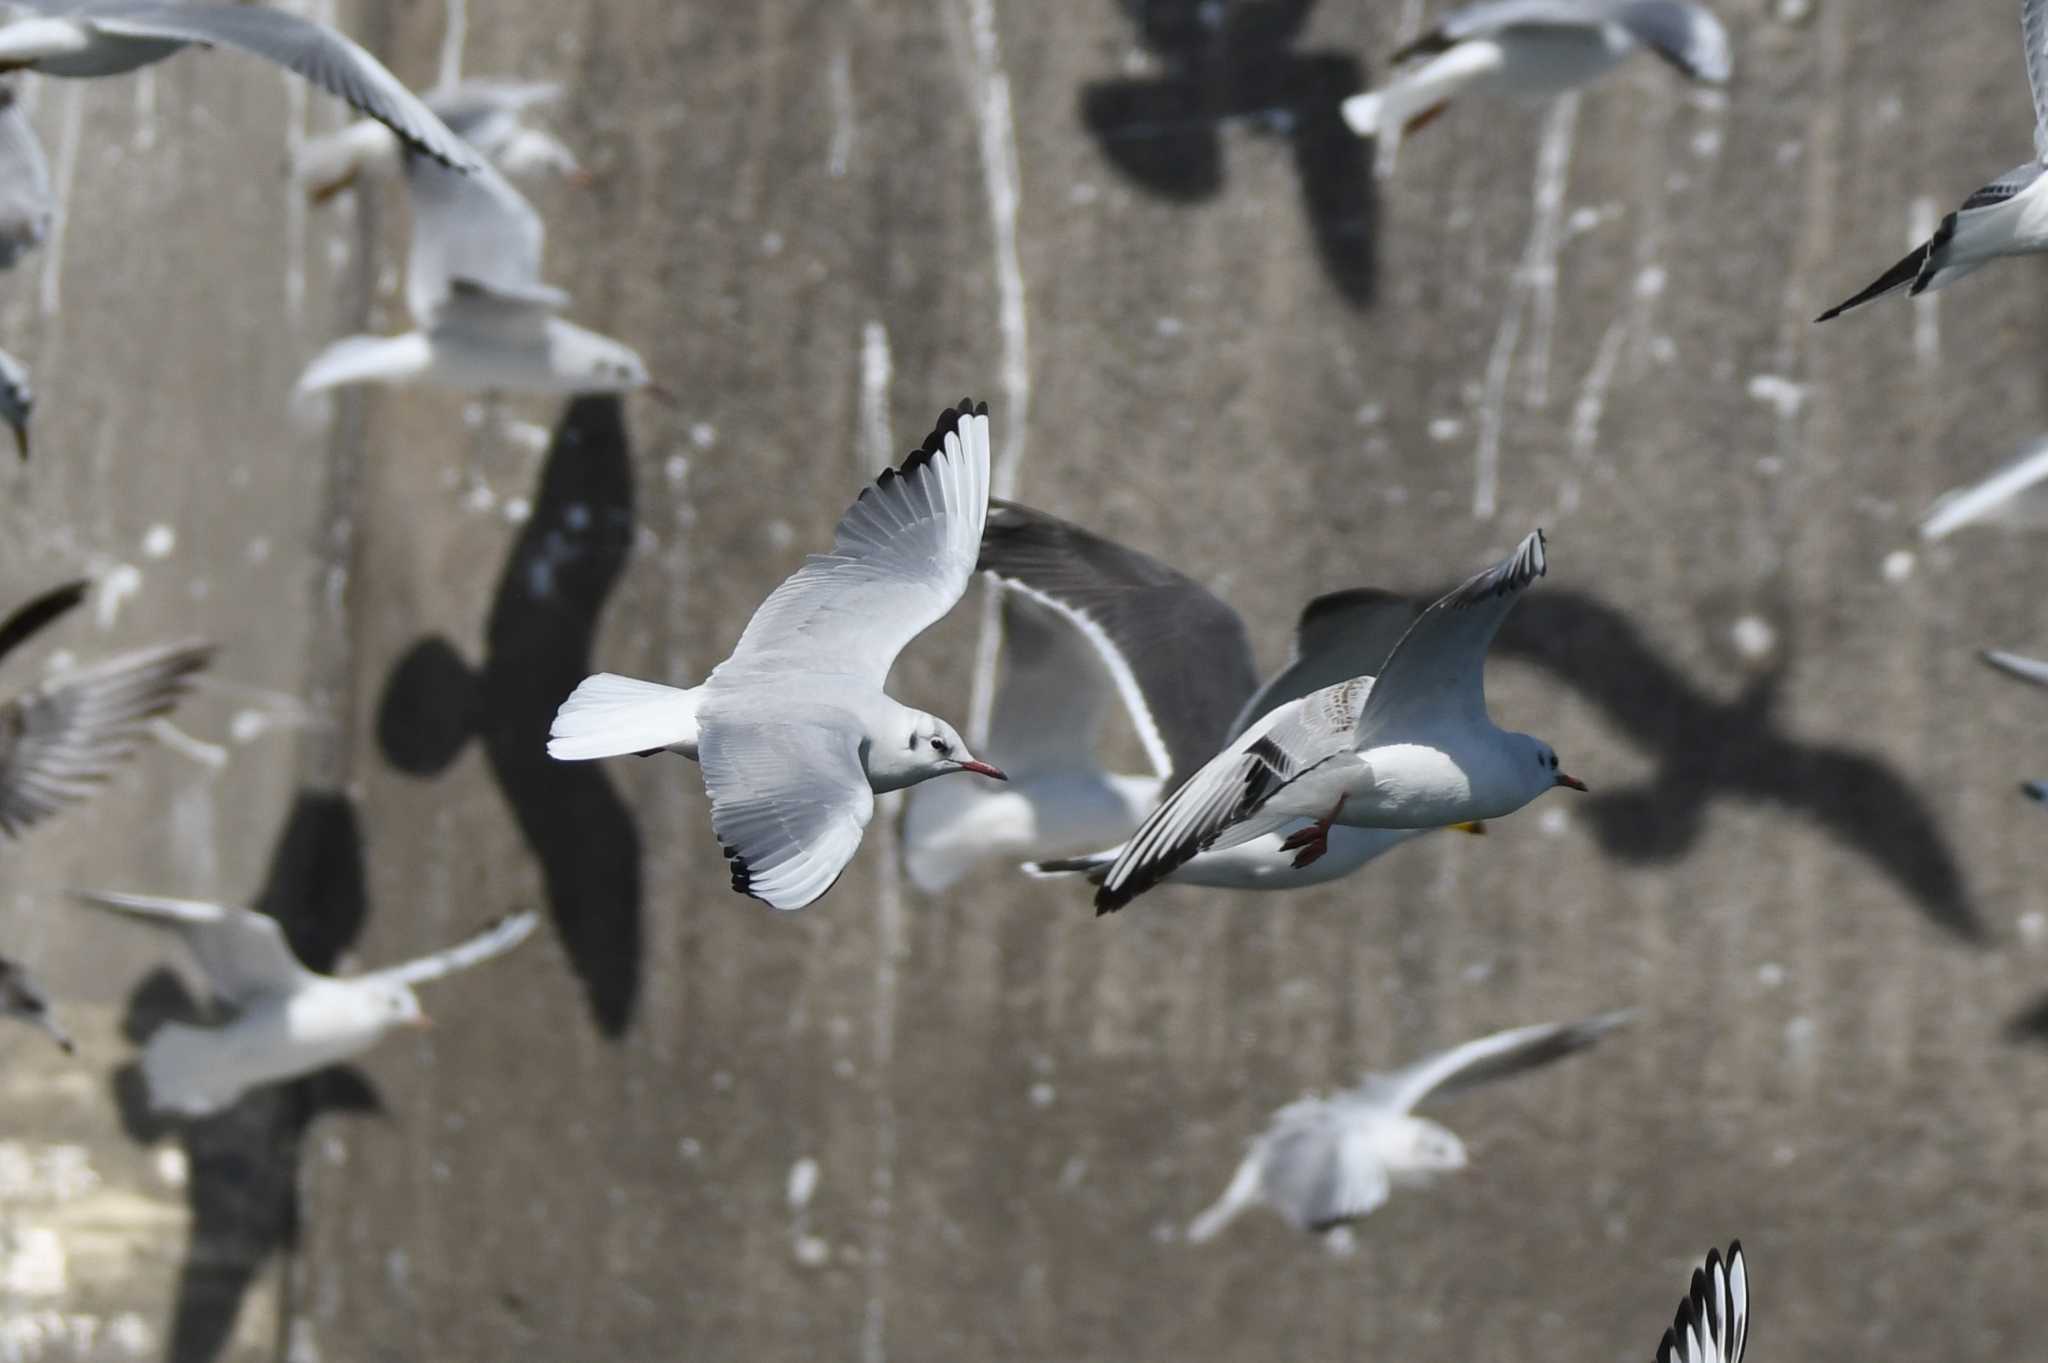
[1209,334]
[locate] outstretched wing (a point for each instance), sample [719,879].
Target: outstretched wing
[2015,665]
[1340,635]
[1436,676]
[1713,1320]
[2012,496]
[789,803]
[60,741]
[1051,698]
[900,559]
[1683,34]
[32,617]
[27,205]
[1489,1058]
[1489,17]
[495,940]
[243,953]
[1320,1170]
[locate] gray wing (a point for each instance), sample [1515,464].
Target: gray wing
[1436,676]
[2017,665]
[495,940]
[468,105]
[1491,16]
[319,53]
[901,557]
[2034,35]
[1179,657]
[243,953]
[1713,1319]
[1052,696]
[789,799]
[475,234]
[1339,636]
[1317,1169]
[1683,34]
[26,203]
[1482,1061]
[2012,496]
[59,742]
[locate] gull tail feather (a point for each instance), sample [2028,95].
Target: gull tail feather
[181,1065]
[609,716]
[1243,1190]
[366,359]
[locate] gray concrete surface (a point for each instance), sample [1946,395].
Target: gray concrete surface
[1206,334]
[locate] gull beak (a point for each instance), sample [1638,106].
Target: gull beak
[666,397]
[1476,828]
[983,769]
[1572,781]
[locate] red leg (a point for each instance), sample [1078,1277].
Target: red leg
[1312,843]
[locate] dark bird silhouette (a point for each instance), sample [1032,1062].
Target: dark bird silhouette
[1232,61]
[539,640]
[243,1163]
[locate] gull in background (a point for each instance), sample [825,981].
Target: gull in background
[1532,50]
[794,731]
[62,740]
[1713,1319]
[17,400]
[23,999]
[1412,748]
[1322,1162]
[287,1021]
[487,114]
[2011,497]
[113,37]
[2008,217]
[27,204]
[2031,670]
[487,323]
[1089,623]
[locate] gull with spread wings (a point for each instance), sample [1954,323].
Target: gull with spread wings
[794,731]
[287,1020]
[1412,748]
[1713,1319]
[488,114]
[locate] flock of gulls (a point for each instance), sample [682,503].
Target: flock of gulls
[1376,731]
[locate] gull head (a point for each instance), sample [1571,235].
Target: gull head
[1539,768]
[598,364]
[1418,1149]
[925,746]
[394,1004]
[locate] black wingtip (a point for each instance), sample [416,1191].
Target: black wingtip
[933,444]
[2035,790]
[742,877]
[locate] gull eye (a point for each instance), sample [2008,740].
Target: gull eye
[939,745]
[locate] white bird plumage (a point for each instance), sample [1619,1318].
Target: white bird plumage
[490,115]
[1713,1318]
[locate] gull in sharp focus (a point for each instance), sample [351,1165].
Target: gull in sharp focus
[1322,1162]
[1412,748]
[23,999]
[27,204]
[487,114]
[287,1021]
[487,322]
[2008,217]
[1532,50]
[2012,497]
[1713,1319]
[794,731]
[1087,623]
[114,37]
[62,740]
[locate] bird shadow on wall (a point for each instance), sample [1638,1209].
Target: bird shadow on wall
[242,1164]
[1708,749]
[539,638]
[1233,62]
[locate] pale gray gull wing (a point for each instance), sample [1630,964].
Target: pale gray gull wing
[1314,1167]
[1934,262]
[789,798]
[61,740]
[1489,1058]
[475,236]
[2018,665]
[1052,696]
[1339,636]
[2034,36]
[315,51]
[1435,679]
[1179,656]
[471,107]
[1713,1319]
[901,558]
[1686,35]
[493,941]
[242,952]
[27,205]
[2012,496]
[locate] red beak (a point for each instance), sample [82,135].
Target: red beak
[983,769]
[1574,782]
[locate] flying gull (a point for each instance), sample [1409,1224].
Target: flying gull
[1532,50]
[27,204]
[114,37]
[487,114]
[2011,497]
[287,1021]
[1322,1162]
[1413,748]
[794,731]
[23,999]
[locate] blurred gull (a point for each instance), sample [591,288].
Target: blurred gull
[487,321]
[27,205]
[2008,217]
[1413,748]
[794,731]
[2025,669]
[2010,497]
[1713,1319]
[288,1021]
[17,400]
[1088,623]
[60,741]
[22,998]
[487,114]
[1532,50]
[1323,1162]
[114,37]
